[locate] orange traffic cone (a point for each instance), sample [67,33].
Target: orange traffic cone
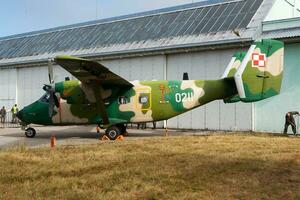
[53,141]
[104,138]
[120,138]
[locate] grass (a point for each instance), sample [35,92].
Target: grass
[235,166]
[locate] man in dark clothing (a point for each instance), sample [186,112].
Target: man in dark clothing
[3,114]
[289,120]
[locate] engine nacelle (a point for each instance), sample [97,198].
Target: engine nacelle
[71,91]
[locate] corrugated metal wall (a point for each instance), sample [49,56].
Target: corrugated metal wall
[8,82]
[31,80]
[143,68]
[30,84]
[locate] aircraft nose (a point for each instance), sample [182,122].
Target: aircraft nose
[20,115]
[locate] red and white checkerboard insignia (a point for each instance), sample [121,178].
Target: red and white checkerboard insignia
[259,60]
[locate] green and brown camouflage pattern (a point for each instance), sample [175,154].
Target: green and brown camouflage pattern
[166,99]
[258,82]
[264,82]
[146,101]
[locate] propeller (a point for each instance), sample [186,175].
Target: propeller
[50,70]
[53,100]
[50,89]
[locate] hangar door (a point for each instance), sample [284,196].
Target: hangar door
[30,84]
[142,68]
[8,82]
[215,115]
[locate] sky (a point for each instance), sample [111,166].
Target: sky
[21,16]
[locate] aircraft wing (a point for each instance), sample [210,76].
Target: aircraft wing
[88,71]
[95,75]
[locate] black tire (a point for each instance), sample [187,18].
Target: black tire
[30,132]
[113,132]
[122,128]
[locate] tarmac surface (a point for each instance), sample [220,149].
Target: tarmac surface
[72,135]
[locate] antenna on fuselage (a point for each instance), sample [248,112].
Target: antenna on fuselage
[185,76]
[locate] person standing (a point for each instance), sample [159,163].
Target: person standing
[3,114]
[14,111]
[289,120]
[154,125]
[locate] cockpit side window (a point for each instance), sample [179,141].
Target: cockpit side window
[123,100]
[45,98]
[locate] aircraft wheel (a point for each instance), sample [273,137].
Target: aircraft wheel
[113,132]
[30,132]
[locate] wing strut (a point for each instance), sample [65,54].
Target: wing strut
[100,105]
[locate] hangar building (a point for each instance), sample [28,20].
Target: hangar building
[197,38]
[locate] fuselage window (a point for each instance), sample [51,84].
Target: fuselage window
[143,99]
[123,100]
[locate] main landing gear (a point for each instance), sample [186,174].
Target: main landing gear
[114,131]
[30,132]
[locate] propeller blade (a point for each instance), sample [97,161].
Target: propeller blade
[50,71]
[56,102]
[53,100]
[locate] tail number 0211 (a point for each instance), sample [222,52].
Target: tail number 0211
[184,97]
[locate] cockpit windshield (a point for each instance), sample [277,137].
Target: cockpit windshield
[45,98]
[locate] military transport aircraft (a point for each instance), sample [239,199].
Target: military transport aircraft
[103,98]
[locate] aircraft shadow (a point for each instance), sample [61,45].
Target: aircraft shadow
[83,133]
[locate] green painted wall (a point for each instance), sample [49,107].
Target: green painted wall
[269,114]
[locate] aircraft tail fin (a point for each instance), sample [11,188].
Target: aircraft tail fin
[259,75]
[234,64]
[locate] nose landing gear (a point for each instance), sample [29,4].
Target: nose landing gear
[30,132]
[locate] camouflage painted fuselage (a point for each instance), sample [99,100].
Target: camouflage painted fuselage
[146,101]
[250,76]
